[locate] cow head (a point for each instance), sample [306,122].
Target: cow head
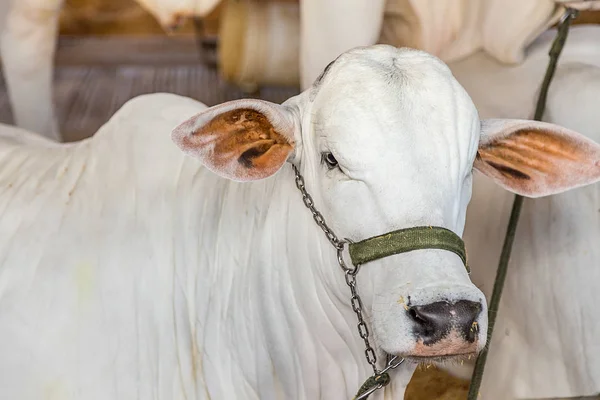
[171,14]
[387,139]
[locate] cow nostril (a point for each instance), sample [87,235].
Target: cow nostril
[467,313]
[428,324]
[434,321]
[415,315]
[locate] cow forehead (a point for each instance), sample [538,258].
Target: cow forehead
[382,64]
[383,92]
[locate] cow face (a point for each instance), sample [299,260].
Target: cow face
[387,139]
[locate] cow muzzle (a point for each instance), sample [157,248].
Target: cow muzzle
[431,323]
[443,329]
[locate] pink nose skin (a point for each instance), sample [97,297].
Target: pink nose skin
[445,329]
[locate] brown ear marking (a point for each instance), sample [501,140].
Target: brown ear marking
[535,162]
[508,171]
[528,151]
[243,143]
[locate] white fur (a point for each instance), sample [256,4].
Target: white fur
[28,33]
[167,12]
[27,44]
[130,271]
[329,28]
[448,29]
[545,343]
[109,288]
[383,151]
[581,5]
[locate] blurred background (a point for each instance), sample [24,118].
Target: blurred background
[109,51]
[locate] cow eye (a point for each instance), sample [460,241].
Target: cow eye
[330,160]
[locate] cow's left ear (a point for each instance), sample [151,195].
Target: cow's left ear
[536,159]
[242,140]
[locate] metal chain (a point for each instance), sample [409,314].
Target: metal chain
[350,278]
[363,331]
[349,272]
[318,217]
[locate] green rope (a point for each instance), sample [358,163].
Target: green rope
[554,53]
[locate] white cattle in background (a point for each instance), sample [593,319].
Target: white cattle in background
[28,34]
[278,36]
[545,343]
[448,29]
[131,271]
[445,28]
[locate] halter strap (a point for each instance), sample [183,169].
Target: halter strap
[405,240]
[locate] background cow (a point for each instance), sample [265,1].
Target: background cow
[28,34]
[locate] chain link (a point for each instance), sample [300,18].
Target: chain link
[350,272]
[363,330]
[317,216]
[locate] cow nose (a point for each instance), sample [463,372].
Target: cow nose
[433,322]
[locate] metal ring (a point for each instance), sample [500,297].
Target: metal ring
[569,13]
[340,257]
[391,364]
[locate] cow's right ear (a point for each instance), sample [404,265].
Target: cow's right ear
[242,140]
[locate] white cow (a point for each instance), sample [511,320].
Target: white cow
[28,30]
[28,33]
[449,29]
[130,271]
[545,343]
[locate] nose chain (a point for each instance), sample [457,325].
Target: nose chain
[379,379]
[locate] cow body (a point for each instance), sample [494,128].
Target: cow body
[445,28]
[172,285]
[153,276]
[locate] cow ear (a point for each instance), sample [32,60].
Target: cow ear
[242,140]
[536,159]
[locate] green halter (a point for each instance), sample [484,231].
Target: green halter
[405,240]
